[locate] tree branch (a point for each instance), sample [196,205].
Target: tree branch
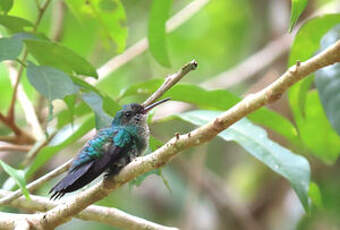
[17,131]
[110,216]
[26,105]
[19,148]
[37,147]
[36,184]
[205,133]
[139,47]
[168,83]
[21,137]
[171,81]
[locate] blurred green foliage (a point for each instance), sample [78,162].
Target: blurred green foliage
[219,36]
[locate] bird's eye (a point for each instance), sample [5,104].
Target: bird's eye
[127,114]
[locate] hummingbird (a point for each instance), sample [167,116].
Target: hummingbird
[110,149]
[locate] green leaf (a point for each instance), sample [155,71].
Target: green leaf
[18,176]
[327,81]
[50,82]
[254,139]
[6,5]
[214,99]
[14,24]
[70,101]
[109,14]
[64,117]
[65,137]
[315,195]
[10,48]
[60,57]
[95,101]
[157,31]
[297,8]
[326,144]
[306,43]
[109,105]
[30,36]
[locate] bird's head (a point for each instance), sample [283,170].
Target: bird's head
[134,114]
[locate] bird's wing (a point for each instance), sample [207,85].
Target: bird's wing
[87,167]
[94,148]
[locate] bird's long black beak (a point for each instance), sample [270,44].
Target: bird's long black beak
[149,107]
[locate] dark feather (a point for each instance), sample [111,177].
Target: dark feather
[84,174]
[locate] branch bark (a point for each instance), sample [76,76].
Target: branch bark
[63,212]
[171,81]
[19,148]
[110,216]
[36,184]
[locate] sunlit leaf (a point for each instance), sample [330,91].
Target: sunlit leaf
[6,5]
[296,10]
[254,139]
[18,176]
[64,117]
[214,99]
[30,36]
[109,14]
[10,48]
[60,57]
[326,144]
[14,24]
[70,101]
[327,81]
[157,31]
[315,195]
[306,43]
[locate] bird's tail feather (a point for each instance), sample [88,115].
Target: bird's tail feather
[69,182]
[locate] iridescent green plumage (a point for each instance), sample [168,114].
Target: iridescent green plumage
[110,150]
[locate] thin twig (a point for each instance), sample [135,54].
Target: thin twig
[26,104]
[17,131]
[205,133]
[21,137]
[110,216]
[170,81]
[37,147]
[18,148]
[139,47]
[9,139]
[58,19]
